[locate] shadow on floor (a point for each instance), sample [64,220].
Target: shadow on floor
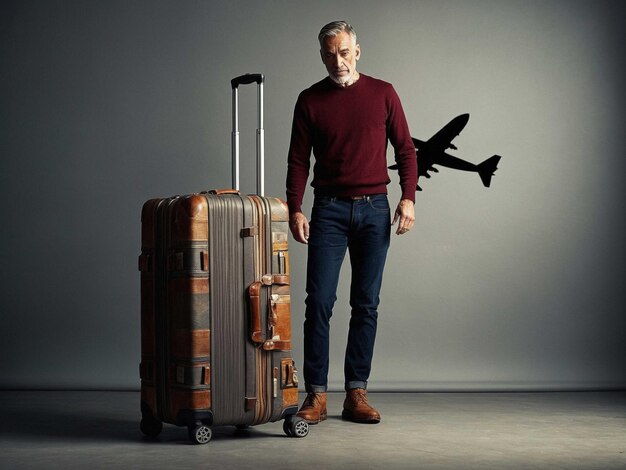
[37,424]
[102,422]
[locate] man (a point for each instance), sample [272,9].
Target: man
[346,119]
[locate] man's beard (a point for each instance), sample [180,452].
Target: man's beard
[343,80]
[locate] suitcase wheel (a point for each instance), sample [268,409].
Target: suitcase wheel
[150,426]
[295,426]
[200,433]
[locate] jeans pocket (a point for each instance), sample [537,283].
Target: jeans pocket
[379,204]
[322,201]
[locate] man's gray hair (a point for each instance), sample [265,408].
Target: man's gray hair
[335,28]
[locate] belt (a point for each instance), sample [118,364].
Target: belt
[353,198]
[362,197]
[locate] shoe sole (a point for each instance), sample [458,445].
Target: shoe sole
[348,416]
[313,421]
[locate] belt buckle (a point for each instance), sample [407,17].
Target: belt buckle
[358,198]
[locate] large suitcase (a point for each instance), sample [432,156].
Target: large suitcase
[215,307]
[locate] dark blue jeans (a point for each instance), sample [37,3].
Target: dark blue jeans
[363,228]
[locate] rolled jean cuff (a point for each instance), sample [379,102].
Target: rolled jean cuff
[355,384]
[315,388]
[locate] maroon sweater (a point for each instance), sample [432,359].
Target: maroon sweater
[347,129]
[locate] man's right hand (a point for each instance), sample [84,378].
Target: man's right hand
[299,226]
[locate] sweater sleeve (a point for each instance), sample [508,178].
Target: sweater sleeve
[298,160]
[400,138]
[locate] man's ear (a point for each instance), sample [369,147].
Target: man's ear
[322,57]
[357,52]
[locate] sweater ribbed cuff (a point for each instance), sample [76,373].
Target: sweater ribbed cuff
[409,193]
[293,208]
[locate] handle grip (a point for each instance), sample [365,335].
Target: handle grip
[221,192]
[247,79]
[260,133]
[254,298]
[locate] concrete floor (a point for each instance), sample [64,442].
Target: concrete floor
[418,430]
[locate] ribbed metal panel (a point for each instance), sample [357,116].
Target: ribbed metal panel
[228,309]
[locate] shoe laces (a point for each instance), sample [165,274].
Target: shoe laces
[312,399]
[359,396]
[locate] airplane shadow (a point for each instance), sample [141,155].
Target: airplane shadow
[434,152]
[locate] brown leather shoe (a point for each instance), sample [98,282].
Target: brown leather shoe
[313,410]
[357,409]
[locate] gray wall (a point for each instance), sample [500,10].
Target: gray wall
[520,286]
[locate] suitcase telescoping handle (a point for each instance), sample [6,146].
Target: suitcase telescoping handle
[246,79]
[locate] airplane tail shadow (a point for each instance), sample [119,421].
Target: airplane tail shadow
[487,168]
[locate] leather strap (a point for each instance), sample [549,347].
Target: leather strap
[254,298]
[220,192]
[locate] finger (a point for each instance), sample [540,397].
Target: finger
[395,217]
[295,231]
[405,225]
[303,231]
[400,229]
[301,238]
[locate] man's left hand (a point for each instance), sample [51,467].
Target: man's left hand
[405,216]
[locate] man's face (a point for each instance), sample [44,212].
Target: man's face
[339,54]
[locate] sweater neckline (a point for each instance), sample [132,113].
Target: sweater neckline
[334,86]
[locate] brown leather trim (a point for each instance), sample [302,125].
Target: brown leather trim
[204,260]
[287,368]
[280,246]
[276,345]
[281,313]
[254,301]
[254,297]
[249,232]
[250,403]
[182,399]
[221,192]
[290,397]
[191,343]
[189,215]
[186,374]
[281,279]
